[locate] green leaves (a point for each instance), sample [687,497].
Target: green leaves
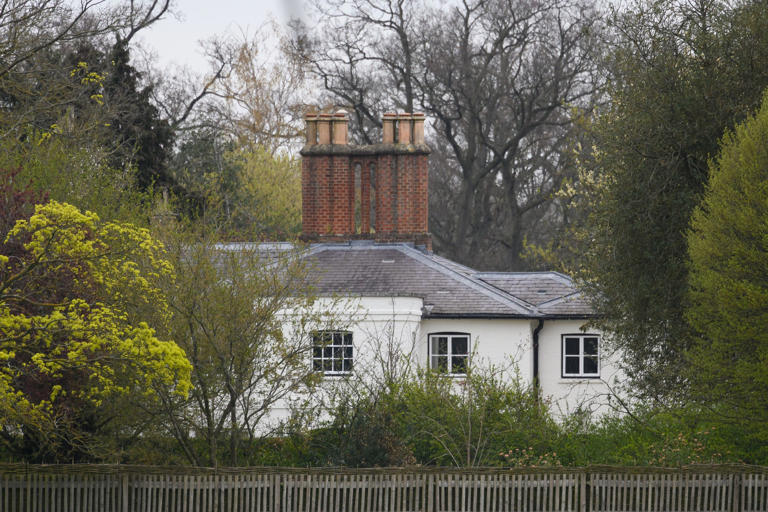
[75,304]
[728,249]
[678,83]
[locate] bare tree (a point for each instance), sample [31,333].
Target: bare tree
[502,80]
[253,94]
[245,315]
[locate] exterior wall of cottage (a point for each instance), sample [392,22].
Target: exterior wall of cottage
[385,334]
[389,333]
[570,394]
[498,342]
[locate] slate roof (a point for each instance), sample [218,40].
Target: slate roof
[448,289]
[533,287]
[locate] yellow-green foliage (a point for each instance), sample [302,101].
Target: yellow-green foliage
[71,304]
[75,172]
[271,190]
[728,248]
[260,196]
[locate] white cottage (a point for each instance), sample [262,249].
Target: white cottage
[365,219]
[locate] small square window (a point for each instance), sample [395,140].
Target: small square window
[332,352]
[581,356]
[449,353]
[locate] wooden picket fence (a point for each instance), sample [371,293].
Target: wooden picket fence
[107,488]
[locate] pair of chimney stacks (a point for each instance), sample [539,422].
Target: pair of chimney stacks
[396,128]
[377,192]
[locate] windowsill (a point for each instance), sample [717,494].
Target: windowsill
[578,380]
[450,375]
[334,376]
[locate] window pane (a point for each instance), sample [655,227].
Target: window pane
[337,338]
[348,352]
[572,346]
[440,345]
[440,363]
[337,352]
[590,365]
[590,346]
[325,337]
[317,365]
[347,338]
[572,365]
[347,365]
[327,365]
[459,364]
[328,352]
[460,345]
[317,352]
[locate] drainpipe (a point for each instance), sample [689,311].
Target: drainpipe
[536,358]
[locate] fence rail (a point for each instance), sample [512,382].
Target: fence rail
[106,488]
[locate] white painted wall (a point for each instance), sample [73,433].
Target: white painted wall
[390,334]
[500,342]
[384,336]
[570,394]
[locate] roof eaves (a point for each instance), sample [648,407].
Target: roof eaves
[479,316]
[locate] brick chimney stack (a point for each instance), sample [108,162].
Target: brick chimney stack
[376,192]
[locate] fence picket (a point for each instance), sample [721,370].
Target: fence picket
[87,488]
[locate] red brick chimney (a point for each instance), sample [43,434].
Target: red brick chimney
[376,192]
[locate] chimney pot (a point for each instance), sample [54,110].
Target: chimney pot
[339,128]
[388,128]
[418,128]
[324,129]
[310,121]
[404,128]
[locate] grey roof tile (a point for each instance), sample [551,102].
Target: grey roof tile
[397,269]
[533,287]
[447,288]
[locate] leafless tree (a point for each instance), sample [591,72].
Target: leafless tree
[501,80]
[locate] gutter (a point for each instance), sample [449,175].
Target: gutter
[536,358]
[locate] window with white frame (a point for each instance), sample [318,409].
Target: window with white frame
[581,355]
[332,352]
[449,352]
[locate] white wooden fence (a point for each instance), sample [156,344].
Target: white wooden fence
[97,488]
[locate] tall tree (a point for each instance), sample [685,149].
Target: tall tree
[35,34]
[139,135]
[245,315]
[681,73]
[79,305]
[259,103]
[501,81]
[728,247]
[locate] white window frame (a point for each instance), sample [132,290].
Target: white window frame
[581,355]
[449,355]
[317,343]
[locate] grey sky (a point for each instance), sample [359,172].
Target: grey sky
[175,41]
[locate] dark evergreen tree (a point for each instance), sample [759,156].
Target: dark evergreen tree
[141,136]
[682,73]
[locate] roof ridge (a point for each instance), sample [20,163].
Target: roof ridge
[477,284]
[557,300]
[532,305]
[553,273]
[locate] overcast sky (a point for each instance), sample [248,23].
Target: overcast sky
[175,40]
